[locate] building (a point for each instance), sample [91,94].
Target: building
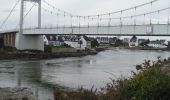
[158,44]
[13,38]
[78,42]
[102,40]
[9,38]
[53,40]
[126,40]
[106,40]
[133,42]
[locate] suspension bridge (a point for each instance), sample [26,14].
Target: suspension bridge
[147,19]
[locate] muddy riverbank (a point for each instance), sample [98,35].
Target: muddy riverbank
[28,55]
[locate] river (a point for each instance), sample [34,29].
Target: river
[43,75]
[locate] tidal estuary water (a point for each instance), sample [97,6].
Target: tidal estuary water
[43,75]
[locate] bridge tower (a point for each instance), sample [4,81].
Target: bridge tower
[34,42]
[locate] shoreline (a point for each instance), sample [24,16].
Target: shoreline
[14,56]
[38,56]
[147,49]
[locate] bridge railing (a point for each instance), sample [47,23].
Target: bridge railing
[154,29]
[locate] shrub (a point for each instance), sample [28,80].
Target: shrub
[94,43]
[30,51]
[9,49]
[80,94]
[48,49]
[151,82]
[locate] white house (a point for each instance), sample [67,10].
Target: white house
[133,42]
[126,40]
[53,40]
[158,44]
[102,40]
[78,42]
[81,42]
[45,40]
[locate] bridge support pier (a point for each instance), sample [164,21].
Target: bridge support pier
[32,42]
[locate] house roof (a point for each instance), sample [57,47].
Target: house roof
[65,38]
[142,40]
[60,38]
[133,39]
[51,37]
[75,39]
[86,38]
[54,38]
[158,42]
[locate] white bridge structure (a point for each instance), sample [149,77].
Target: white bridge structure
[152,21]
[126,30]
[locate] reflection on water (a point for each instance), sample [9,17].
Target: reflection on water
[43,75]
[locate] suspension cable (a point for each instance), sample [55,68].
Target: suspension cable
[126,9]
[109,21]
[135,22]
[57,23]
[71,18]
[120,25]
[92,16]
[27,13]
[158,16]
[79,23]
[151,15]
[98,24]
[168,19]
[148,13]
[88,24]
[10,13]
[64,23]
[144,19]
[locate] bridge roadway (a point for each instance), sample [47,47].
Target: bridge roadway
[33,38]
[127,30]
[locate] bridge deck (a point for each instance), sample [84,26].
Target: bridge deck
[127,30]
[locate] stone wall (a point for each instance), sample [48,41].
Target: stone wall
[63,50]
[9,39]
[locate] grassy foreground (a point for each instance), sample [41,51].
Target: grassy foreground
[151,82]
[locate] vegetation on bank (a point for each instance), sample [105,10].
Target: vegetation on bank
[151,82]
[7,49]
[48,48]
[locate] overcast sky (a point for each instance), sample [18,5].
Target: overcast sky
[78,7]
[82,7]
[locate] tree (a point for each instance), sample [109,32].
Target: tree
[145,43]
[94,43]
[118,43]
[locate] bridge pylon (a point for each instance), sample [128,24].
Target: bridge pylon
[34,42]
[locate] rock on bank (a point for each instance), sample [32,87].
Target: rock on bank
[16,94]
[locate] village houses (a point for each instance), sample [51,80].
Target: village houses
[77,42]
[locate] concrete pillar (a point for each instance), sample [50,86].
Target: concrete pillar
[39,14]
[21,17]
[8,39]
[14,36]
[4,38]
[34,42]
